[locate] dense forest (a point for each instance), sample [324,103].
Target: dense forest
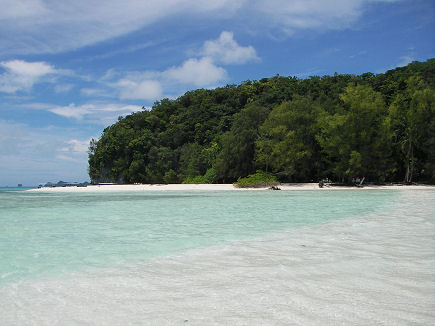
[377,126]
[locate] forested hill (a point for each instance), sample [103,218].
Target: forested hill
[378,126]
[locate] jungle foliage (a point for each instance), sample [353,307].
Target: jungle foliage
[378,126]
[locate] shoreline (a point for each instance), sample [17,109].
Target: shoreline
[221,187]
[371,268]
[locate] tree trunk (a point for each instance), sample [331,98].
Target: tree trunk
[410,161]
[412,165]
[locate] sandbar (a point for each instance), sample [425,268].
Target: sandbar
[220,187]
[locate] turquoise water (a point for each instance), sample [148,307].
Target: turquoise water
[46,234]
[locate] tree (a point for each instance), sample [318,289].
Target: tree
[411,120]
[287,143]
[193,160]
[355,138]
[236,158]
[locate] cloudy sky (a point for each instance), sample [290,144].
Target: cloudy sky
[68,69]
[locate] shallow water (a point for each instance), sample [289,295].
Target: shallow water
[251,258]
[51,233]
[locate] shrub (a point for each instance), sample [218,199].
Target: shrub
[208,177]
[170,177]
[199,179]
[257,180]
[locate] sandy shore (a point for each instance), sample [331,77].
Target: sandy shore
[375,268]
[216,187]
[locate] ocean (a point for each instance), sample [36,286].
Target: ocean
[217,258]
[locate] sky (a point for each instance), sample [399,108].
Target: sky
[68,69]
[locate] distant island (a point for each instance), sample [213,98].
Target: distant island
[64,184]
[380,127]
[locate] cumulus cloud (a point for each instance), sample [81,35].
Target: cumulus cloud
[227,51]
[21,75]
[152,85]
[199,72]
[46,26]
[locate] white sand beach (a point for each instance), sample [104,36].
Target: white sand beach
[218,187]
[373,269]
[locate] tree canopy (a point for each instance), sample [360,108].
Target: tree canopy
[379,126]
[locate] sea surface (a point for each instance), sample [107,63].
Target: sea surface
[351,257]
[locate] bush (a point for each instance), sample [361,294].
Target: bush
[208,177]
[257,180]
[199,179]
[170,177]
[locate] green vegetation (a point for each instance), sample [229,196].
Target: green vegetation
[342,126]
[257,180]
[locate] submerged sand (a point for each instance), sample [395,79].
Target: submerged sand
[375,269]
[217,187]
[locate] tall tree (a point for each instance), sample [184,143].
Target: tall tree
[355,138]
[236,158]
[411,120]
[287,144]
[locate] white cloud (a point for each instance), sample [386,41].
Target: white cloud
[74,150]
[12,9]
[227,51]
[153,85]
[73,111]
[145,89]
[193,72]
[293,15]
[34,69]
[21,75]
[47,26]
[308,14]
[148,85]
[76,146]
[101,113]
[199,72]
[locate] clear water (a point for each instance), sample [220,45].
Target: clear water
[233,258]
[51,233]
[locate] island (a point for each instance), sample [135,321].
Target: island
[377,128]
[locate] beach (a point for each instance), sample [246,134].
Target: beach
[219,256]
[219,187]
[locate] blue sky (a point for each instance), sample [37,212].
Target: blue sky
[69,70]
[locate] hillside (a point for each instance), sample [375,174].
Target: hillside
[378,126]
